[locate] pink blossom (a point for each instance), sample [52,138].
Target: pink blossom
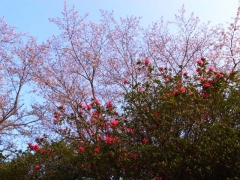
[96,101]
[206,85]
[109,104]
[179,83]
[202,57]
[201,79]
[219,75]
[197,69]
[125,81]
[182,89]
[88,106]
[204,95]
[185,73]
[81,149]
[55,120]
[175,92]
[113,123]
[140,89]
[100,138]
[146,61]
[145,140]
[211,69]
[42,151]
[33,147]
[199,61]
[110,140]
[97,149]
[130,130]
[37,166]
[160,68]
[96,114]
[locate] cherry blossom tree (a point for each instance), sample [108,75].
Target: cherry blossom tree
[16,58]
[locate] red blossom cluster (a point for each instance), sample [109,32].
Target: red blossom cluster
[33,147]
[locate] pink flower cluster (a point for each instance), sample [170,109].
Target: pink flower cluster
[33,147]
[110,140]
[177,91]
[88,106]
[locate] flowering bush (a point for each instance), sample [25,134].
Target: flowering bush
[171,127]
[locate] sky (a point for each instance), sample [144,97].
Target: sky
[32,15]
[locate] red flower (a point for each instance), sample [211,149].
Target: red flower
[140,89]
[125,81]
[219,75]
[113,123]
[199,61]
[160,68]
[179,83]
[175,92]
[33,147]
[97,149]
[109,105]
[89,106]
[96,101]
[185,73]
[110,140]
[211,69]
[145,140]
[130,130]
[206,85]
[37,166]
[81,149]
[182,89]
[201,79]
[146,61]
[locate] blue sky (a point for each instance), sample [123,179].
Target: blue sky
[32,15]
